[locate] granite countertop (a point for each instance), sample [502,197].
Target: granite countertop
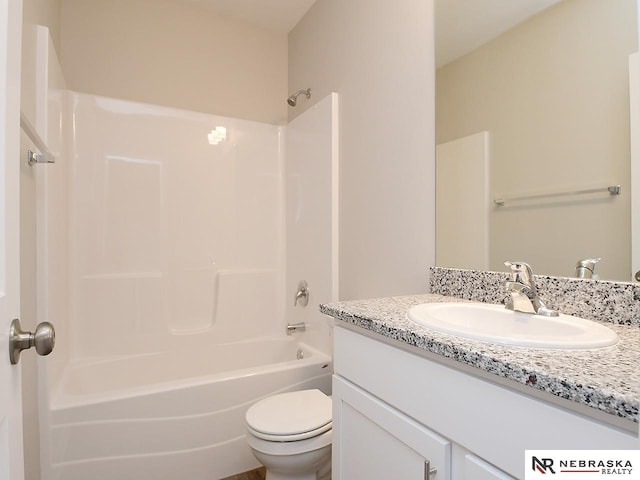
[607,379]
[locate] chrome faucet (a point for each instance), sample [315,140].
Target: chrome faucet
[585,268]
[523,294]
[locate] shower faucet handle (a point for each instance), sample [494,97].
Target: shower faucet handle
[302,295]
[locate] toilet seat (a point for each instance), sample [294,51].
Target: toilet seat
[291,437]
[290,417]
[284,449]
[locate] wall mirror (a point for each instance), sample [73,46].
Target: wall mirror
[533,106]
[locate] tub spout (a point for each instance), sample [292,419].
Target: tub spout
[295,327]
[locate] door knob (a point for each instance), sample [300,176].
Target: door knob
[637,276]
[44,339]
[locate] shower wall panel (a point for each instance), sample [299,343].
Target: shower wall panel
[172,236]
[312,216]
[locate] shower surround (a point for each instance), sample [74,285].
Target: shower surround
[171,235]
[177,272]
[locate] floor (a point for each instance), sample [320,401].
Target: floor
[257,474]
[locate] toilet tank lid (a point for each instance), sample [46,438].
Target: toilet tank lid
[290,413]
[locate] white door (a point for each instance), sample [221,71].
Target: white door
[11,455]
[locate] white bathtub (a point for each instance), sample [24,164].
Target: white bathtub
[175,415]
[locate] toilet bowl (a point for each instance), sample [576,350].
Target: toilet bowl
[290,434]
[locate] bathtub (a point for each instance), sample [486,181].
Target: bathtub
[172,415]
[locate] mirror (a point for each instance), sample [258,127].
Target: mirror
[534,103]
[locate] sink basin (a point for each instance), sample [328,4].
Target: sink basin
[496,324]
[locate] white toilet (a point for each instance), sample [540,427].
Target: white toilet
[290,434]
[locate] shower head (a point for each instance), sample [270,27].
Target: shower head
[292,100]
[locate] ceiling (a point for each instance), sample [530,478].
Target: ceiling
[278,15]
[461,25]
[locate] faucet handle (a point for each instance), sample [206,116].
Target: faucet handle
[588,262]
[521,272]
[302,295]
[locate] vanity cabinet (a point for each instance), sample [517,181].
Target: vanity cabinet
[377,442]
[399,413]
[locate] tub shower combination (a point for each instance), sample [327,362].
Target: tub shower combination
[176,245]
[156,416]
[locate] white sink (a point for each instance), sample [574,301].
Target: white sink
[496,324]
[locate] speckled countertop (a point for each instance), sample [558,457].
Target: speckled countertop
[607,379]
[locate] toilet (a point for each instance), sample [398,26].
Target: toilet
[290,434]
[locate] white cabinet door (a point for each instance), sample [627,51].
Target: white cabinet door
[477,469]
[374,441]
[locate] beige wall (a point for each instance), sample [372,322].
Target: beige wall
[167,53]
[378,56]
[553,93]
[46,13]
